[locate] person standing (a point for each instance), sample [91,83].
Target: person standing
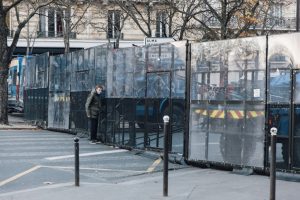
[93,108]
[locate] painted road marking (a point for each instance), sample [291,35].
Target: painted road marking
[154,165]
[58,185]
[86,154]
[19,175]
[90,168]
[13,178]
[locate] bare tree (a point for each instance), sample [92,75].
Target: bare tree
[31,32]
[110,22]
[223,19]
[170,18]
[180,15]
[141,13]
[6,52]
[226,18]
[268,21]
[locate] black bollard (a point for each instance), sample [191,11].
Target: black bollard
[273,164]
[76,151]
[166,155]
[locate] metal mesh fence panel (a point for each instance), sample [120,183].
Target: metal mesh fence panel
[227,98]
[89,67]
[59,92]
[116,73]
[78,119]
[59,109]
[143,84]
[30,72]
[36,88]
[283,98]
[83,63]
[36,71]
[100,64]
[42,70]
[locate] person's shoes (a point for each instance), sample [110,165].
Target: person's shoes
[96,142]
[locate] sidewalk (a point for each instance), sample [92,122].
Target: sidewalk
[189,183]
[16,122]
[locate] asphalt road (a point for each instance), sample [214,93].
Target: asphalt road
[38,165]
[35,158]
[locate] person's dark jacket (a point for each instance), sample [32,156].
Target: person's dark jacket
[93,104]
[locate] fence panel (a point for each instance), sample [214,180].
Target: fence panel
[228,96]
[85,75]
[59,92]
[227,99]
[143,84]
[283,98]
[36,88]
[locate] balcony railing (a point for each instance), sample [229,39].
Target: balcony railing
[283,23]
[110,35]
[52,34]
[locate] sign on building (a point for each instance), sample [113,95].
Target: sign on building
[156,40]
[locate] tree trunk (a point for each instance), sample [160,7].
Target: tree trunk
[3,68]
[67,41]
[28,40]
[67,28]
[3,96]
[6,52]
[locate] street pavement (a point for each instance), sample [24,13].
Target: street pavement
[39,165]
[16,122]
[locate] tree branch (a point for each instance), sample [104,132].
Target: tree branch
[14,4]
[19,29]
[80,18]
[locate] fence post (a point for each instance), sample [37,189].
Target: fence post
[166,155]
[273,132]
[76,151]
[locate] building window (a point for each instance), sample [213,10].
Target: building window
[113,23]
[161,24]
[50,23]
[276,14]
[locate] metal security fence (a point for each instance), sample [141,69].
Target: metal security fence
[59,91]
[222,97]
[36,71]
[227,101]
[89,67]
[239,89]
[36,105]
[283,110]
[36,88]
[143,85]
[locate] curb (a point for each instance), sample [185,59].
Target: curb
[173,158]
[18,128]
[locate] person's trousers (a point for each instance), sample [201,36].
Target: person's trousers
[93,128]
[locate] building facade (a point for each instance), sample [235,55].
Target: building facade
[92,23]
